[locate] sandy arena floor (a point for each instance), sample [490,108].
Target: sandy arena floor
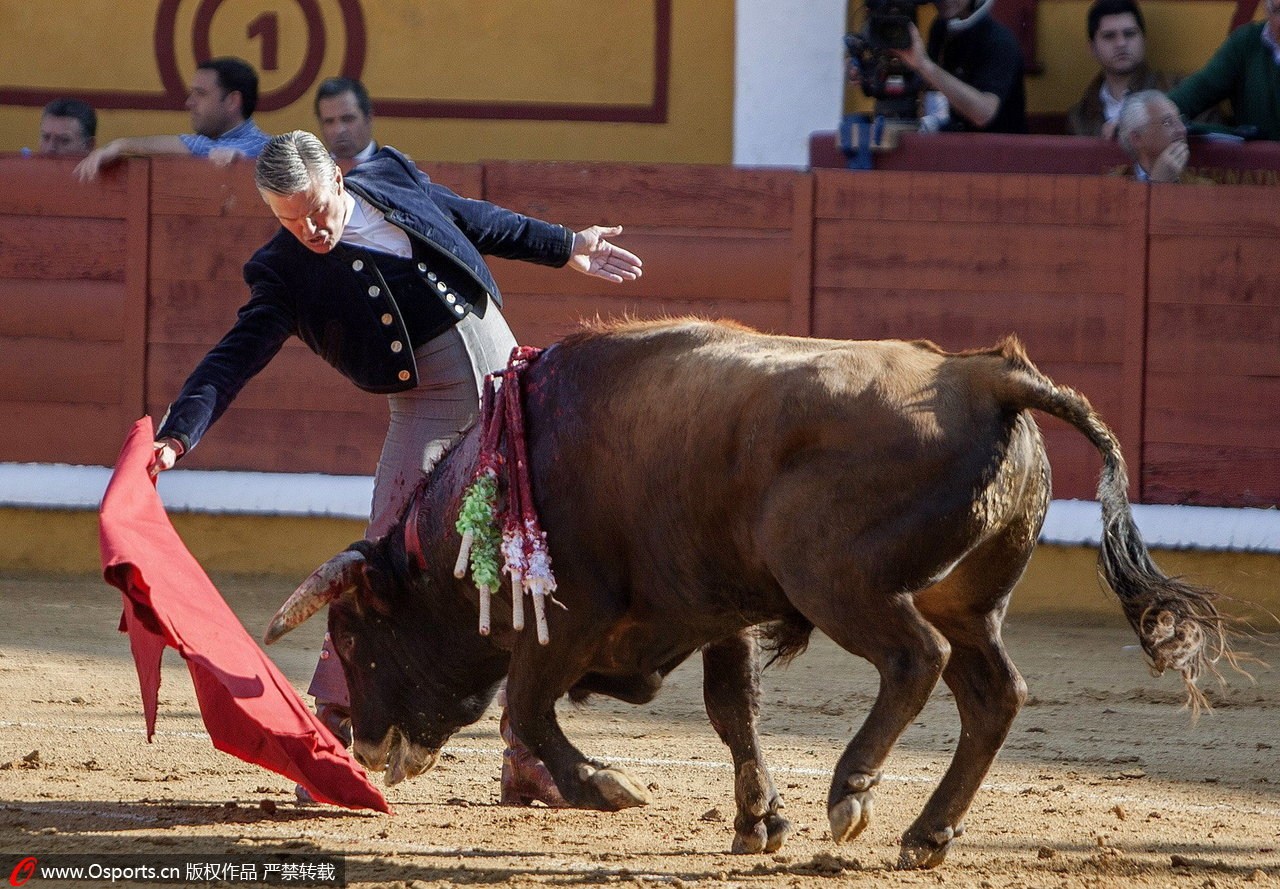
[1104,781]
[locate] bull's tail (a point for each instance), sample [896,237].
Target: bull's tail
[1177,623]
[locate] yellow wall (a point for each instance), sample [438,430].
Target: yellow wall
[495,52]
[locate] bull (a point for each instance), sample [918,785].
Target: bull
[708,488]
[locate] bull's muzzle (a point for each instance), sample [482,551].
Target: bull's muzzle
[330,581]
[395,754]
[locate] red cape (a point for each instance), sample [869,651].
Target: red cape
[249,708]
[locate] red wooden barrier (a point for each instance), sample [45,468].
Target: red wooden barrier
[72,310]
[1213,362]
[965,259]
[1158,303]
[715,241]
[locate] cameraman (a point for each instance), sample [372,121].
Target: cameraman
[975,63]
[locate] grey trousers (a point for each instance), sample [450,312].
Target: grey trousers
[425,422]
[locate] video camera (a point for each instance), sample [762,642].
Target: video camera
[883,75]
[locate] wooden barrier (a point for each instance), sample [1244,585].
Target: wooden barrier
[964,260]
[716,242]
[1213,357]
[73,300]
[1245,163]
[1155,302]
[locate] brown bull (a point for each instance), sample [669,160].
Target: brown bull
[698,480]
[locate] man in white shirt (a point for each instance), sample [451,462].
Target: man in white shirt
[345,115]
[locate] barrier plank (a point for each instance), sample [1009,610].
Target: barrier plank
[68,248]
[71,310]
[689,263]
[1212,475]
[46,187]
[41,369]
[645,195]
[62,432]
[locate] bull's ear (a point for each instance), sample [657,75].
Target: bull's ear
[341,575]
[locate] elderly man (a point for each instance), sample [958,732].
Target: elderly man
[1151,130]
[223,96]
[1245,70]
[345,115]
[381,273]
[67,126]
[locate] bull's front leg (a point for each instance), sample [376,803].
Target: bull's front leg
[584,783]
[731,691]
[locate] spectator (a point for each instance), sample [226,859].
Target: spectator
[224,93]
[975,63]
[346,121]
[1151,130]
[67,126]
[1118,40]
[1244,70]
[392,310]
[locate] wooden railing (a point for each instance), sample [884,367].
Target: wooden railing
[1158,303]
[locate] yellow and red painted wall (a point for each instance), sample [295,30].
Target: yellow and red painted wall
[683,81]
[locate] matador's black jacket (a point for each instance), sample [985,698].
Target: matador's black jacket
[364,311]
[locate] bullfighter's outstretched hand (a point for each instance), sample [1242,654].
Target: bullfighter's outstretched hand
[593,255]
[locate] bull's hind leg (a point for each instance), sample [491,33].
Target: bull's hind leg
[910,656]
[968,608]
[731,690]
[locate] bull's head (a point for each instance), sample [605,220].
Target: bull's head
[415,667]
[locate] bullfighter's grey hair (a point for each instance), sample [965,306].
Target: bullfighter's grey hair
[292,163]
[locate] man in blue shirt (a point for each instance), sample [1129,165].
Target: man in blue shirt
[224,92]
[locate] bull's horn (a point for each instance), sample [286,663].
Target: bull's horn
[328,582]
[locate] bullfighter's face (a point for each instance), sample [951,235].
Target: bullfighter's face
[317,216]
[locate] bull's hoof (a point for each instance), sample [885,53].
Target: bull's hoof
[616,788]
[766,835]
[921,851]
[851,815]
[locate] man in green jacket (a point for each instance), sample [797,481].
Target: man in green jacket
[1246,70]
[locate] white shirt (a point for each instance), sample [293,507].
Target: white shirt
[1110,105]
[367,227]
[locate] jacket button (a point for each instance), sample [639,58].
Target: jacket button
[450,298]
[441,286]
[460,310]
[422,267]
[431,276]
[357,265]
[404,376]
[396,345]
[386,318]
[374,290]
